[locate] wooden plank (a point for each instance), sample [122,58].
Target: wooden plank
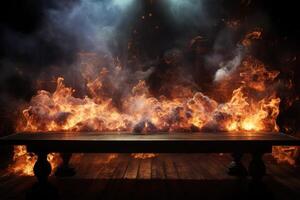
[99,188]
[145,169]
[132,169]
[169,168]
[223,162]
[183,168]
[126,187]
[157,168]
[173,186]
[114,184]
[85,169]
[121,169]
[109,167]
[217,171]
[194,164]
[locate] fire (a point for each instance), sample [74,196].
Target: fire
[247,41]
[286,154]
[253,105]
[144,155]
[258,117]
[251,108]
[24,162]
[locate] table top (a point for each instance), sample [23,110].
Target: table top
[25,137]
[152,142]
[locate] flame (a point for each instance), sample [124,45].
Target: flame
[252,106]
[247,40]
[24,161]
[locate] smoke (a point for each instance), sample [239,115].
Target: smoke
[191,14]
[66,28]
[227,68]
[95,24]
[187,11]
[58,31]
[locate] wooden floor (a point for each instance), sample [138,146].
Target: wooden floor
[166,176]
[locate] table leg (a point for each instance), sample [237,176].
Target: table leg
[43,189]
[64,170]
[42,168]
[257,168]
[236,167]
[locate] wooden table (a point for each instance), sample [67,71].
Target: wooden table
[90,142]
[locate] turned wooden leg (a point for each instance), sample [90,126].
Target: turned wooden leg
[42,189]
[236,167]
[64,170]
[257,168]
[42,168]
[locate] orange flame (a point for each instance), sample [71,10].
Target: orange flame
[253,106]
[24,162]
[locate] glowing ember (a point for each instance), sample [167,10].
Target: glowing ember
[144,155]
